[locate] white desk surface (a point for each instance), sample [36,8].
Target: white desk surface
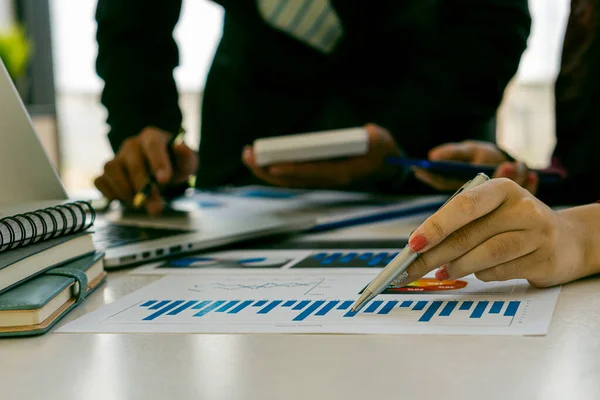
[565,364]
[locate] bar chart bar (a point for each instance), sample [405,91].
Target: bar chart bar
[448,308]
[373,306]
[388,307]
[182,308]
[163,310]
[148,303]
[496,307]
[160,304]
[330,259]
[427,315]
[347,258]
[391,257]
[511,309]
[327,308]
[466,305]
[420,305]
[479,309]
[377,259]
[271,306]
[301,305]
[201,304]
[228,306]
[312,308]
[350,313]
[405,304]
[345,305]
[208,309]
[240,307]
[289,303]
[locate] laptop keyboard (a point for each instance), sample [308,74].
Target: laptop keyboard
[114,235]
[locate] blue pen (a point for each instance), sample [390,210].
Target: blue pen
[463,170]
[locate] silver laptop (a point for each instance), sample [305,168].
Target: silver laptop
[27,175]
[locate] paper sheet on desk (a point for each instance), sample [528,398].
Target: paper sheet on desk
[332,209]
[313,302]
[339,260]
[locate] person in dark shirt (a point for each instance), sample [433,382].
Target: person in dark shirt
[499,230]
[577,100]
[416,73]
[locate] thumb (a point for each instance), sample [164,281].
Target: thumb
[154,145]
[453,152]
[186,161]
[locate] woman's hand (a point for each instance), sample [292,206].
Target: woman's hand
[500,231]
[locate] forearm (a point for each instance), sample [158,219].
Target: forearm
[136,58]
[586,221]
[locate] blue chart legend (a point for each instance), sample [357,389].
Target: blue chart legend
[481,312]
[347,260]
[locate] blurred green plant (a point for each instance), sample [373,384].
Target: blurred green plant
[15,51]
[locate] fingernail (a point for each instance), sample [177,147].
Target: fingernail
[442,273]
[417,243]
[247,153]
[531,178]
[162,176]
[509,170]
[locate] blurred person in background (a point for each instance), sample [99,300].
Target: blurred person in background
[415,73]
[500,230]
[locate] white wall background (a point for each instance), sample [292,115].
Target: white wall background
[75,46]
[199,30]
[6,14]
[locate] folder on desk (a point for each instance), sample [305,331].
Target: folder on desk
[34,307]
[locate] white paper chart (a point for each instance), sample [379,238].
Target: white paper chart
[320,303]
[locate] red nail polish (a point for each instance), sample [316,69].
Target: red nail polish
[441,274]
[509,170]
[418,243]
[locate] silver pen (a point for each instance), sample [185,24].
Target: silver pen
[395,271]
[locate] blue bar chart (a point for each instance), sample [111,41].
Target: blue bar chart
[306,302]
[351,259]
[422,311]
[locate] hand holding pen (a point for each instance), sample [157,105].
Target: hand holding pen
[497,231]
[395,271]
[143,165]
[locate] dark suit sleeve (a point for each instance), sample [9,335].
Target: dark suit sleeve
[136,58]
[457,84]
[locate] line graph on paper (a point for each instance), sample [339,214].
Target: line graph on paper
[297,285]
[268,285]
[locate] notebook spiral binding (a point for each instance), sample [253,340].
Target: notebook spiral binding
[48,223]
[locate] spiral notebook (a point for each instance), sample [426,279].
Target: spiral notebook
[32,223]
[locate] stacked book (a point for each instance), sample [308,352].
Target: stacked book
[48,264]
